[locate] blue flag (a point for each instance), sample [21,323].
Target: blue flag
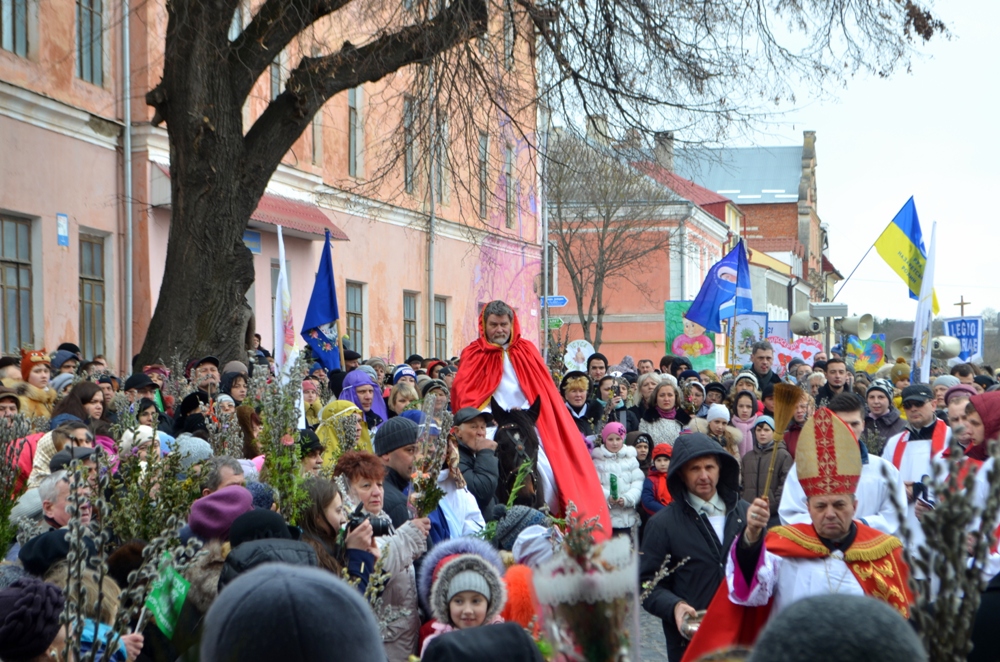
[319,327]
[725,292]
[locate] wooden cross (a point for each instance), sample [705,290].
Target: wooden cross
[962,304]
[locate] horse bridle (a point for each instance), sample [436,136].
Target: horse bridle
[522,455]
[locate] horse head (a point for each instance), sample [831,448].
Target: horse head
[517,441]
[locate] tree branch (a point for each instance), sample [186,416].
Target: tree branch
[274,26]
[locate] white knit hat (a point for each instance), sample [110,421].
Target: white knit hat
[717,412]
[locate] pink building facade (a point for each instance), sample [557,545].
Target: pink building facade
[63,208]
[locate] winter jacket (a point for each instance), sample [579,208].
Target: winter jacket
[624,416]
[880,430]
[399,550]
[625,467]
[35,402]
[756,464]
[663,430]
[825,394]
[791,437]
[394,499]
[481,472]
[986,626]
[650,503]
[587,417]
[770,378]
[269,550]
[678,530]
[484,644]
[437,629]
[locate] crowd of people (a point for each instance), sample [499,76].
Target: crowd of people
[693,467]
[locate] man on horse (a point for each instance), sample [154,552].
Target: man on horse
[507,368]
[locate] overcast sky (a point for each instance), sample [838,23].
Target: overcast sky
[933,134]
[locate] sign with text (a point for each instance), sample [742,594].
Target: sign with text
[556,301]
[969,330]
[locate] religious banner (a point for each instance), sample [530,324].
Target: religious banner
[686,338]
[969,330]
[743,333]
[576,355]
[804,349]
[868,355]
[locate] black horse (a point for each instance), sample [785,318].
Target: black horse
[517,441]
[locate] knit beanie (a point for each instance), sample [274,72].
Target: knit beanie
[959,389]
[662,450]
[900,371]
[263,495]
[46,549]
[370,371]
[213,515]
[635,438]
[717,412]
[611,428]
[279,611]
[945,380]
[60,381]
[535,545]
[748,375]
[132,439]
[403,371]
[468,580]
[395,433]
[258,525]
[883,385]
[29,618]
[765,420]
[877,630]
[512,522]
[193,450]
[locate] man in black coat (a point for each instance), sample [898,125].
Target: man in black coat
[762,358]
[700,524]
[477,457]
[396,443]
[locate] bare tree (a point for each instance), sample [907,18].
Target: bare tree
[698,67]
[605,217]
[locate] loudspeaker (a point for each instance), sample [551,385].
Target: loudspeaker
[862,327]
[946,347]
[902,347]
[803,324]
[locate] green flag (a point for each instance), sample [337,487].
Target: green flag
[167,597]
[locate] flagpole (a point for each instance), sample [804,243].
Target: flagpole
[340,347]
[841,288]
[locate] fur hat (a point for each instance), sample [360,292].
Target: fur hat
[900,371]
[466,572]
[438,557]
[30,358]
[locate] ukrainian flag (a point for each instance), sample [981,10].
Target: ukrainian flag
[901,245]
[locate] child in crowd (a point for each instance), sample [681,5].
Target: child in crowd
[716,425]
[757,463]
[745,418]
[642,444]
[655,494]
[621,477]
[461,586]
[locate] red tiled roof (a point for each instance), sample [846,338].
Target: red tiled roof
[295,215]
[829,268]
[292,214]
[685,188]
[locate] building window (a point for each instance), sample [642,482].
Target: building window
[14,26]
[91,295]
[355,136]
[275,78]
[508,36]
[440,327]
[356,316]
[409,324]
[508,186]
[484,172]
[15,283]
[89,41]
[409,162]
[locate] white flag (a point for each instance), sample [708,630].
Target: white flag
[285,350]
[922,338]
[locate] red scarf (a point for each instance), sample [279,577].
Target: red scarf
[479,374]
[660,491]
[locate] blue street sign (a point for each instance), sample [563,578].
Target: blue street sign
[556,301]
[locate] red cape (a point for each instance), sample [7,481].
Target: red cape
[479,373]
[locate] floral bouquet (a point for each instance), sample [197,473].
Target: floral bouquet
[590,594]
[432,451]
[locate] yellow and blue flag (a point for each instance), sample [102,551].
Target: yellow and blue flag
[901,245]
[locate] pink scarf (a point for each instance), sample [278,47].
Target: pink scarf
[665,413]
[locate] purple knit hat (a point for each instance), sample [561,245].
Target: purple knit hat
[612,428]
[213,515]
[963,389]
[352,381]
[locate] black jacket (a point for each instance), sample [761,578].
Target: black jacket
[592,413]
[985,630]
[679,531]
[252,553]
[626,417]
[394,498]
[825,394]
[770,378]
[482,475]
[506,641]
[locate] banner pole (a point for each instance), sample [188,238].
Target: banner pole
[340,346]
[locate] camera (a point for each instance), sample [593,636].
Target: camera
[380,527]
